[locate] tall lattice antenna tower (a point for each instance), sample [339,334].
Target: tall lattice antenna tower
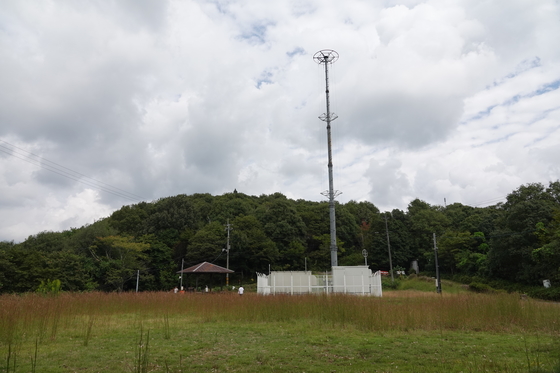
[327,57]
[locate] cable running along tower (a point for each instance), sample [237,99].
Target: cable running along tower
[327,57]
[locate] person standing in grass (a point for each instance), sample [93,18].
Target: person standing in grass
[241,290]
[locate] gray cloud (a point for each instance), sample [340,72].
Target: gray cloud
[402,120]
[388,183]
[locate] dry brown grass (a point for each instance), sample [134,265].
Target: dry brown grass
[41,317]
[415,294]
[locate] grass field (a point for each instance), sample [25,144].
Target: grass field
[405,331]
[427,284]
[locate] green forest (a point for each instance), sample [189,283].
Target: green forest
[514,243]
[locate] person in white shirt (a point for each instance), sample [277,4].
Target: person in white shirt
[241,290]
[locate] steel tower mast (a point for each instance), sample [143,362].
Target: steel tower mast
[326,57]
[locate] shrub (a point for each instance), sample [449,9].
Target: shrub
[479,287]
[49,287]
[386,283]
[463,279]
[552,293]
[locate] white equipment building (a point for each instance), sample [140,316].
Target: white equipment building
[358,280]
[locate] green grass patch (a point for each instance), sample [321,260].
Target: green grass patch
[162,332]
[422,283]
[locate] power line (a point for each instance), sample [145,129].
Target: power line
[489,201]
[66,172]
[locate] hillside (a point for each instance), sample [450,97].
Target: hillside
[514,242]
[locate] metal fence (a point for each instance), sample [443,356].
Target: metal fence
[348,280]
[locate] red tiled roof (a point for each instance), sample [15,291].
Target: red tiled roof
[206,267]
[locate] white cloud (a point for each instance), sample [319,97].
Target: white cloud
[436,99]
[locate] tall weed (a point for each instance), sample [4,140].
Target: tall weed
[142,353]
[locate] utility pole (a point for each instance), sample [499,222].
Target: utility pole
[137,279]
[389,249]
[182,274]
[228,227]
[327,57]
[438,280]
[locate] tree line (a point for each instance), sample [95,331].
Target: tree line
[517,240]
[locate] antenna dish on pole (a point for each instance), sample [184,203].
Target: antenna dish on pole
[325,56]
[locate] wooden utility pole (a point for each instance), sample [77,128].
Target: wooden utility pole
[182,274]
[228,227]
[389,249]
[438,280]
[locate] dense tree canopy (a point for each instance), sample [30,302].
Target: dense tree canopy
[518,240]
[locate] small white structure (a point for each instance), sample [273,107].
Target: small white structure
[357,280]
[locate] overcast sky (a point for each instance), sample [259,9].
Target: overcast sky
[108,103]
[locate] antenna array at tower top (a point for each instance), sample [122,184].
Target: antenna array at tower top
[325,56]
